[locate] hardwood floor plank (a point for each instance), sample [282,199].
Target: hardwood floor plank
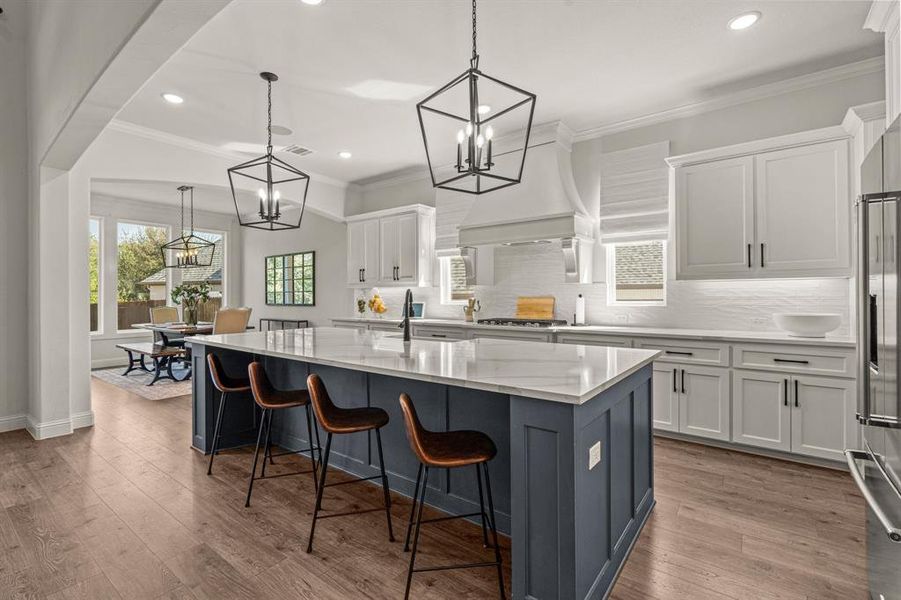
[95,588]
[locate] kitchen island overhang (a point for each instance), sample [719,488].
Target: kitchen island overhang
[573,478]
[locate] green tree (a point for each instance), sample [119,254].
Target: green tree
[94,267]
[139,258]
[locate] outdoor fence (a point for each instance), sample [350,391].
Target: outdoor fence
[138,311]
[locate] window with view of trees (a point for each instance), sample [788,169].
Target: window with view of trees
[454,288]
[636,273]
[139,260]
[290,279]
[94,272]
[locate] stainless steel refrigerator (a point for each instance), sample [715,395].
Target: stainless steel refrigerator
[876,465]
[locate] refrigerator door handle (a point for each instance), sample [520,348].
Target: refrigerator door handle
[852,456]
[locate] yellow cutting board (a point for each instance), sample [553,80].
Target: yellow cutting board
[535,307]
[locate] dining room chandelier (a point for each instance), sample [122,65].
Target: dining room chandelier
[188,249]
[475,130]
[281,188]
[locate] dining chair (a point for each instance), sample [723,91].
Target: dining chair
[163,314]
[231,320]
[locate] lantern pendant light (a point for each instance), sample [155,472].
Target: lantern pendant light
[475,130]
[187,250]
[281,188]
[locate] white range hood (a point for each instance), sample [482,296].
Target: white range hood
[543,206]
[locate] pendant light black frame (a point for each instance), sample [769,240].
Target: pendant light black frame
[187,251]
[469,167]
[277,172]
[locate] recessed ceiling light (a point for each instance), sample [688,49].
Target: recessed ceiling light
[381,89]
[345,154]
[312,2]
[484,109]
[172,98]
[744,21]
[281,130]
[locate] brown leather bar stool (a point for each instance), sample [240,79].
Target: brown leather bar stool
[338,421]
[449,450]
[270,400]
[226,385]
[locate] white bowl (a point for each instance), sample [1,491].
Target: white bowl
[813,325]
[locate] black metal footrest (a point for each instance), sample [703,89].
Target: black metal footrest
[460,566]
[283,475]
[358,480]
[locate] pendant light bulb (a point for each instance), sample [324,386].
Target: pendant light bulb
[480,141]
[468,129]
[489,133]
[460,137]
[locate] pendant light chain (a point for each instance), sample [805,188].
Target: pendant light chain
[269,116]
[192,211]
[182,190]
[475,54]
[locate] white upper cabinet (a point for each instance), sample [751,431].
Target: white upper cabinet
[715,217]
[391,247]
[362,253]
[803,210]
[773,208]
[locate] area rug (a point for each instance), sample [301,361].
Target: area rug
[136,383]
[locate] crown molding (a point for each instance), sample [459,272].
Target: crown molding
[768,90]
[408,175]
[156,135]
[859,115]
[881,15]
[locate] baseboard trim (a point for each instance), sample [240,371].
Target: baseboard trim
[83,419]
[13,423]
[106,363]
[48,429]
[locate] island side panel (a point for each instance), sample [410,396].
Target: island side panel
[614,498]
[573,526]
[240,418]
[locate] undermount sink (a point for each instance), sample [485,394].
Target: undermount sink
[814,325]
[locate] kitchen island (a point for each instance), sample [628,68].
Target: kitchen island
[573,478]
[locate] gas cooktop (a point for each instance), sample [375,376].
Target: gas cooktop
[523,322]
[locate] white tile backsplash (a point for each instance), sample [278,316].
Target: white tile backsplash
[729,305]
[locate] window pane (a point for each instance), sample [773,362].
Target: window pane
[639,272]
[289,279]
[141,278]
[94,272]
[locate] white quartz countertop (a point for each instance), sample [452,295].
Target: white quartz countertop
[762,337]
[566,373]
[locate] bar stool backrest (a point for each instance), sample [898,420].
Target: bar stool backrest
[221,380]
[264,393]
[326,411]
[415,431]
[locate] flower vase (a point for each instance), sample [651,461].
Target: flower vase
[190,315]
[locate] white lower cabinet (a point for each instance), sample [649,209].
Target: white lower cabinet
[823,411]
[666,397]
[528,336]
[760,411]
[704,402]
[692,400]
[803,414]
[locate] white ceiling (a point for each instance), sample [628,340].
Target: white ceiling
[206,197]
[589,61]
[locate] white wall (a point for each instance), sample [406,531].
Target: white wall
[103,343]
[327,238]
[13,218]
[377,196]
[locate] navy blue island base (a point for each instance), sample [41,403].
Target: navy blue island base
[572,527]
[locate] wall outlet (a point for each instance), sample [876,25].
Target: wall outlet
[594,455]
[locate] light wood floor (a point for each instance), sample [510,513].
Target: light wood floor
[125,510]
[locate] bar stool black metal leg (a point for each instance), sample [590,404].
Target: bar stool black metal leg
[267,447]
[256,455]
[378,441]
[209,469]
[425,485]
[318,444]
[497,548]
[482,508]
[328,448]
[314,472]
[413,508]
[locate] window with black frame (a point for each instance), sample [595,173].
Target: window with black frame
[290,279]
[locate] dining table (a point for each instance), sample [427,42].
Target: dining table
[169,334]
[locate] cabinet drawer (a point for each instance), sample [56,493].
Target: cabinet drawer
[796,359]
[391,327]
[687,352]
[591,339]
[441,333]
[512,335]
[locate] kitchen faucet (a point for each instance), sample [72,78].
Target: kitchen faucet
[408,312]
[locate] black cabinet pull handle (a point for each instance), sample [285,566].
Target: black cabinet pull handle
[749,256]
[675,379]
[683,381]
[762,261]
[679,352]
[439,335]
[791,361]
[397,273]
[797,403]
[360,274]
[785,400]
[364,273]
